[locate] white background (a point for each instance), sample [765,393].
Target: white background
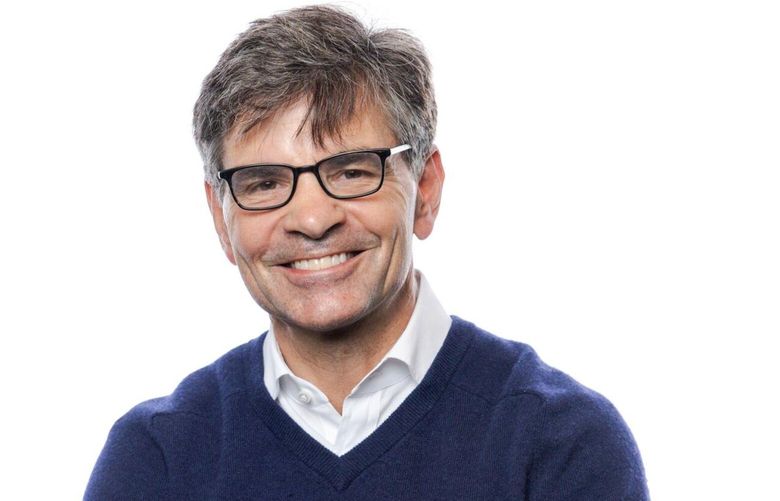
[611,199]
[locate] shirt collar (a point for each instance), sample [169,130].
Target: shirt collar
[424,334]
[274,366]
[411,355]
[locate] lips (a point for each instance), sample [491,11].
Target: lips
[322,262]
[300,255]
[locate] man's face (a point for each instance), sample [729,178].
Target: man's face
[373,232]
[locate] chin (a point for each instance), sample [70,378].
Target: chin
[331,311]
[324,320]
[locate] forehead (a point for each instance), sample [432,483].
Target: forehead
[286,137]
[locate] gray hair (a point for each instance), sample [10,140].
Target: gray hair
[330,58]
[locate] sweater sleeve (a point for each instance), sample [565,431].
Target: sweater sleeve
[131,465]
[585,452]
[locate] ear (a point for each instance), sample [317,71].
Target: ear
[215,206]
[428,195]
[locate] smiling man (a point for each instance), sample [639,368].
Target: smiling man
[317,139]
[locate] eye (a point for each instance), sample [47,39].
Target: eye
[264,185]
[258,185]
[353,173]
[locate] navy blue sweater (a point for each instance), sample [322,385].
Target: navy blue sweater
[489,421]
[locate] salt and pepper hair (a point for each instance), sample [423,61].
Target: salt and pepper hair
[328,57]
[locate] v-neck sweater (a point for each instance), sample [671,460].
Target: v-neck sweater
[488,421]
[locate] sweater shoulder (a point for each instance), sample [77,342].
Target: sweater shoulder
[202,392]
[170,433]
[581,442]
[496,369]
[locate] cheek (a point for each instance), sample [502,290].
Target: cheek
[406,209]
[249,234]
[397,219]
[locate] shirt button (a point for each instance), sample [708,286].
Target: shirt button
[304,397]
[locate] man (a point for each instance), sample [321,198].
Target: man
[316,134]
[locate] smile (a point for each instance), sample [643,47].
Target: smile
[321,263]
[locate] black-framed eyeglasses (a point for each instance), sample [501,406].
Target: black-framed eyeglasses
[351,174]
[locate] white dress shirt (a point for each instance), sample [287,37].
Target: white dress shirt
[376,396]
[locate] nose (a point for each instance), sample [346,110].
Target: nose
[311,212]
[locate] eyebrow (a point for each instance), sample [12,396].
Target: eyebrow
[355,148]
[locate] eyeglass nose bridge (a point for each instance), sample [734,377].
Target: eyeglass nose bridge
[314,169]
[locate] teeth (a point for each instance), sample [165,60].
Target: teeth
[321,263]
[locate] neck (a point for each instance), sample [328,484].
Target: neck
[336,361]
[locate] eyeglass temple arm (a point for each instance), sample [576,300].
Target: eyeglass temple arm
[399,149]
